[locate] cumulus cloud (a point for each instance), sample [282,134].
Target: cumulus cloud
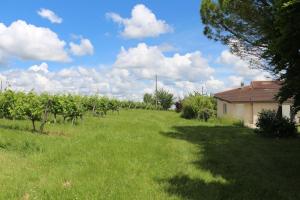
[235,81]
[39,68]
[126,79]
[50,15]
[131,75]
[143,23]
[3,57]
[214,84]
[165,47]
[146,61]
[85,47]
[29,42]
[78,80]
[241,68]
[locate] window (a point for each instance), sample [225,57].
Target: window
[224,108]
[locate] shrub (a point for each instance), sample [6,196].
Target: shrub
[197,106]
[271,125]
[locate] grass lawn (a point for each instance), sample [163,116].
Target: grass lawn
[145,155]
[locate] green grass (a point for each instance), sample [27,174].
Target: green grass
[145,155]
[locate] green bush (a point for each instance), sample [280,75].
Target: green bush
[270,125]
[148,99]
[164,98]
[197,106]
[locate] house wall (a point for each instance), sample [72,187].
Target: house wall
[248,112]
[241,111]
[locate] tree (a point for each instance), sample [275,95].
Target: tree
[264,32]
[148,98]
[164,98]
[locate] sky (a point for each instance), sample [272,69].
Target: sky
[113,48]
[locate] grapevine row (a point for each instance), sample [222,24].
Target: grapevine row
[39,107]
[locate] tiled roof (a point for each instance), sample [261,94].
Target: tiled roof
[257,91]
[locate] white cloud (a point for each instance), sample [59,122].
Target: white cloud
[85,47]
[143,23]
[165,47]
[124,81]
[39,68]
[214,84]
[3,57]
[29,42]
[241,68]
[146,61]
[129,77]
[79,80]
[50,15]
[235,81]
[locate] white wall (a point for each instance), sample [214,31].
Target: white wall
[248,112]
[241,111]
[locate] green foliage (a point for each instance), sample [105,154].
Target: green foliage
[148,99]
[31,107]
[164,98]
[196,106]
[16,105]
[270,125]
[161,100]
[7,104]
[72,108]
[34,107]
[264,32]
[56,107]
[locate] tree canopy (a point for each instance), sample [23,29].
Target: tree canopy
[264,32]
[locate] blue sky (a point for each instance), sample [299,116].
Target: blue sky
[99,30]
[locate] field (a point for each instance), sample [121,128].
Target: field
[141,154]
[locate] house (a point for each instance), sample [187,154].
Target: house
[246,102]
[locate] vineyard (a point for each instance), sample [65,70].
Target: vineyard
[47,108]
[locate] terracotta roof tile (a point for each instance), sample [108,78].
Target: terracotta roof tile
[257,91]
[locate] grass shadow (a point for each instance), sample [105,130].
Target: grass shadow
[253,167]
